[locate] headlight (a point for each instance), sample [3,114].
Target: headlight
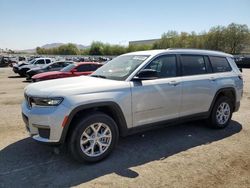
[45,101]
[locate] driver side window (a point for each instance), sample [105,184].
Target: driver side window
[40,62]
[164,65]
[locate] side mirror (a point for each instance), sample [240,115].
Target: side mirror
[73,71]
[146,74]
[240,69]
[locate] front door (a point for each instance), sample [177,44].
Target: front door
[159,99]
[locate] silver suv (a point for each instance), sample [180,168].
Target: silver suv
[130,93]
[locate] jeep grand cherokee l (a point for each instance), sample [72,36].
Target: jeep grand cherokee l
[132,92]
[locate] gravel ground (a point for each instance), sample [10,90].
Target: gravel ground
[186,155]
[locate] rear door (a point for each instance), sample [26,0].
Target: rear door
[40,62]
[198,84]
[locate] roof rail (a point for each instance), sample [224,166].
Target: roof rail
[193,49]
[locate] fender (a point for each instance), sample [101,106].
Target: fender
[122,124]
[218,93]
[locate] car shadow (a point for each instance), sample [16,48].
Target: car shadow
[26,81]
[15,77]
[27,163]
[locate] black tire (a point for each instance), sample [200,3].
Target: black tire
[213,122]
[81,125]
[22,72]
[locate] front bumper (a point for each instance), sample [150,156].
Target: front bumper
[44,124]
[237,106]
[15,70]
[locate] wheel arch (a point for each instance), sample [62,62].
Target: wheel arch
[110,108]
[228,92]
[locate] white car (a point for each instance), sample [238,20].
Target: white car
[132,92]
[22,68]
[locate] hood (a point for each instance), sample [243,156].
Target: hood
[45,74]
[20,64]
[73,86]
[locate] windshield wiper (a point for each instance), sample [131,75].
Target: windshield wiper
[98,76]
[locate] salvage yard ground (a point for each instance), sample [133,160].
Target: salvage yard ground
[186,155]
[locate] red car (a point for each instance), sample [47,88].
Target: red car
[75,69]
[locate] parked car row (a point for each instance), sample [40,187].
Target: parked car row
[40,69]
[242,62]
[23,67]
[54,66]
[72,70]
[7,61]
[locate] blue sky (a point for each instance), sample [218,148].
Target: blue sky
[27,24]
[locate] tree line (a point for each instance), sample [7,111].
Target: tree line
[231,39]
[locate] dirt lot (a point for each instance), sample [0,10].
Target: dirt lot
[187,155]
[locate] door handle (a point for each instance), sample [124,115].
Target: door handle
[174,83]
[212,78]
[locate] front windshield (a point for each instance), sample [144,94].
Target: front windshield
[68,68]
[120,67]
[32,61]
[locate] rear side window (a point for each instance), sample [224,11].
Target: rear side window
[94,67]
[61,64]
[193,65]
[220,64]
[48,61]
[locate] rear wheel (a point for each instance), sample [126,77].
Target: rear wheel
[221,113]
[93,138]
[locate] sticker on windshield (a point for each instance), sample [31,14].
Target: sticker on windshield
[141,58]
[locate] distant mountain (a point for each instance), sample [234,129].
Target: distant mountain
[51,45]
[55,45]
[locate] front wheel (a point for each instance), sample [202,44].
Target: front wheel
[221,113]
[93,138]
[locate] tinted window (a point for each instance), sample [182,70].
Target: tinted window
[48,61]
[60,64]
[94,67]
[193,65]
[64,64]
[54,65]
[220,64]
[164,65]
[84,68]
[40,61]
